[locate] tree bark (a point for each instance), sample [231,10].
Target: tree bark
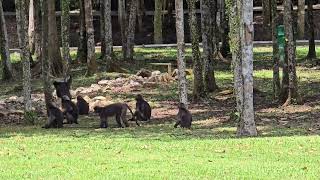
[170,10]
[157,22]
[54,52]
[291,51]
[225,46]
[312,46]
[241,35]
[24,46]
[37,29]
[208,24]
[140,12]
[131,30]
[107,37]
[7,73]
[91,59]
[266,12]
[65,31]
[45,63]
[183,93]
[198,86]
[123,26]
[301,18]
[31,29]
[247,125]
[276,57]
[82,48]
[102,28]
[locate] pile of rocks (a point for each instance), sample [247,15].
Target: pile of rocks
[142,79]
[11,109]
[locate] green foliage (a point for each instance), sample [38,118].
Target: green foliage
[30,117]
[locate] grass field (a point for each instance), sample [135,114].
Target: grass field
[154,153]
[288,145]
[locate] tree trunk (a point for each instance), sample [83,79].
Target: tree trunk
[31,29]
[37,29]
[54,52]
[123,26]
[170,10]
[312,46]
[276,56]
[157,22]
[102,28]
[24,45]
[225,46]
[82,48]
[291,50]
[7,73]
[91,59]
[183,93]
[198,86]
[140,15]
[301,18]
[208,24]
[241,35]
[247,125]
[45,63]
[65,31]
[266,12]
[107,37]
[131,29]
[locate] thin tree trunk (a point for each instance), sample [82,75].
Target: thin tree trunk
[157,22]
[312,46]
[140,15]
[37,29]
[54,50]
[291,50]
[122,21]
[65,31]
[241,36]
[301,18]
[102,29]
[91,59]
[108,32]
[45,63]
[170,10]
[7,73]
[208,24]
[234,12]
[183,93]
[82,49]
[198,86]
[276,76]
[266,12]
[131,29]
[31,29]
[225,46]
[23,33]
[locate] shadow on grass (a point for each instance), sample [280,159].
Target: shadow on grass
[161,129]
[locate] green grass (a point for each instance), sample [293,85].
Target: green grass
[158,151]
[154,153]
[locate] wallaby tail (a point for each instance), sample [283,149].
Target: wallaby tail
[133,117]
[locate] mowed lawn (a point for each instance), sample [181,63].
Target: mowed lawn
[154,153]
[158,151]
